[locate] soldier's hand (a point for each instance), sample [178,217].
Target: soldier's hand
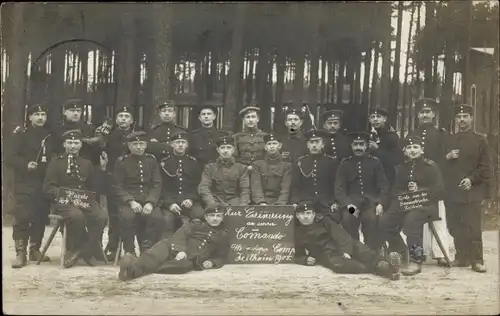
[181,255]
[379,209]
[412,186]
[334,207]
[187,203]
[373,145]
[465,184]
[147,209]
[175,208]
[353,209]
[153,140]
[346,255]
[454,154]
[310,261]
[208,264]
[32,165]
[136,207]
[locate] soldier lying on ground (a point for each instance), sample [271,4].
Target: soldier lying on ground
[198,245]
[327,243]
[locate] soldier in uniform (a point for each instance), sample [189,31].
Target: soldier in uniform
[313,178]
[137,184]
[198,245]
[27,156]
[384,143]
[328,244]
[416,174]
[249,144]
[75,172]
[467,175]
[271,178]
[294,141]
[337,144]
[159,135]
[93,142]
[181,175]
[202,143]
[361,189]
[225,181]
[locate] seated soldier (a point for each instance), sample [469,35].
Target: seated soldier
[329,244]
[74,172]
[271,177]
[137,184]
[225,181]
[418,173]
[181,176]
[198,245]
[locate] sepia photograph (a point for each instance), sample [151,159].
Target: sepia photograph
[250,158]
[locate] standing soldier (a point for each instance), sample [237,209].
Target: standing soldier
[74,172]
[137,184]
[116,146]
[271,178]
[294,141]
[467,176]
[337,144]
[181,176]
[249,144]
[202,143]
[27,156]
[384,143]
[159,135]
[313,178]
[361,189]
[225,181]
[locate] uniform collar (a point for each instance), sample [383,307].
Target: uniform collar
[296,135]
[276,158]
[358,158]
[251,130]
[225,162]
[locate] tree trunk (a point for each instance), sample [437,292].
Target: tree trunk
[261,74]
[126,61]
[357,80]
[429,20]
[405,85]
[279,119]
[249,80]
[366,80]
[435,79]
[298,84]
[447,91]
[331,80]
[340,82]
[374,101]
[314,62]
[418,83]
[235,67]
[394,93]
[212,80]
[386,58]
[323,88]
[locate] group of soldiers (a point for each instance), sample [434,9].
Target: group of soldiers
[169,188]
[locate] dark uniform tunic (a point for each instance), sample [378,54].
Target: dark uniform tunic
[464,207]
[361,181]
[389,151]
[73,172]
[271,180]
[202,144]
[294,147]
[433,142]
[181,176]
[313,179]
[225,182]
[32,207]
[327,241]
[249,146]
[90,152]
[162,133]
[197,239]
[337,145]
[137,178]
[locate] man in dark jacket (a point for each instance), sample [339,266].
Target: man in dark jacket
[294,142]
[337,143]
[249,144]
[198,245]
[328,244]
[467,174]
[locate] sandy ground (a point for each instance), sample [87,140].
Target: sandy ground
[247,289]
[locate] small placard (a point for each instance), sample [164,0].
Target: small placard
[413,200]
[261,234]
[79,198]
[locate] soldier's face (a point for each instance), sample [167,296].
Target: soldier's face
[167,114]
[377,120]
[137,147]
[293,122]
[332,126]
[358,147]
[273,147]
[306,218]
[124,120]
[225,151]
[251,119]
[179,146]
[214,219]
[73,115]
[413,151]
[463,120]
[72,146]
[38,119]
[207,117]
[315,145]
[426,115]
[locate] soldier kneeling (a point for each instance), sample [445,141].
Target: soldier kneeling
[329,244]
[198,245]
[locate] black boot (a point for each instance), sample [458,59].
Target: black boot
[416,253]
[21,259]
[35,253]
[126,267]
